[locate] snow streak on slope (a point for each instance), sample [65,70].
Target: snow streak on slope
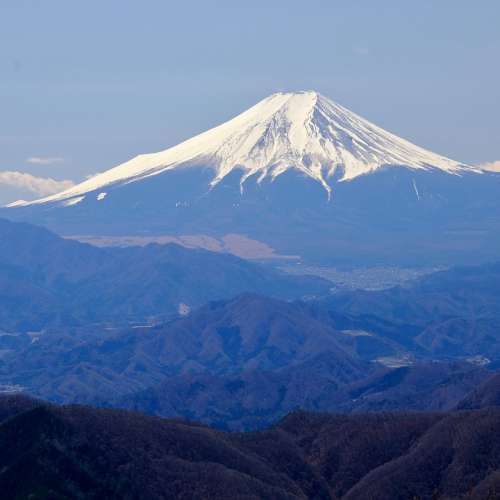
[303,131]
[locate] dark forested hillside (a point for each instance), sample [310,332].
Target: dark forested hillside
[80,452]
[256,399]
[485,395]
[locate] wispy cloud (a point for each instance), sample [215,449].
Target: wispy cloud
[42,186]
[361,51]
[44,160]
[493,166]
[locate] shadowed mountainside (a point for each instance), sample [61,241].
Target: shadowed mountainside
[80,452]
[254,400]
[484,396]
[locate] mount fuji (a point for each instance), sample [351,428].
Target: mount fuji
[302,174]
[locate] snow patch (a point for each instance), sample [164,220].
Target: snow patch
[183,309]
[18,203]
[73,201]
[416,189]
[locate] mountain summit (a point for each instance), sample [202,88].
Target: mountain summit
[304,131]
[301,174]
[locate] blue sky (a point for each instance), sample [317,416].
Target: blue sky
[87,85]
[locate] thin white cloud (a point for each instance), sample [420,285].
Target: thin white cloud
[44,160]
[493,166]
[42,186]
[361,51]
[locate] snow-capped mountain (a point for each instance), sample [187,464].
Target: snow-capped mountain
[303,131]
[301,174]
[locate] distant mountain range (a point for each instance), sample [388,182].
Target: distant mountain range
[132,328]
[46,280]
[453,313]
[301,174]
[239,364]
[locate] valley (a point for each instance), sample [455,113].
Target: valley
[364,278]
